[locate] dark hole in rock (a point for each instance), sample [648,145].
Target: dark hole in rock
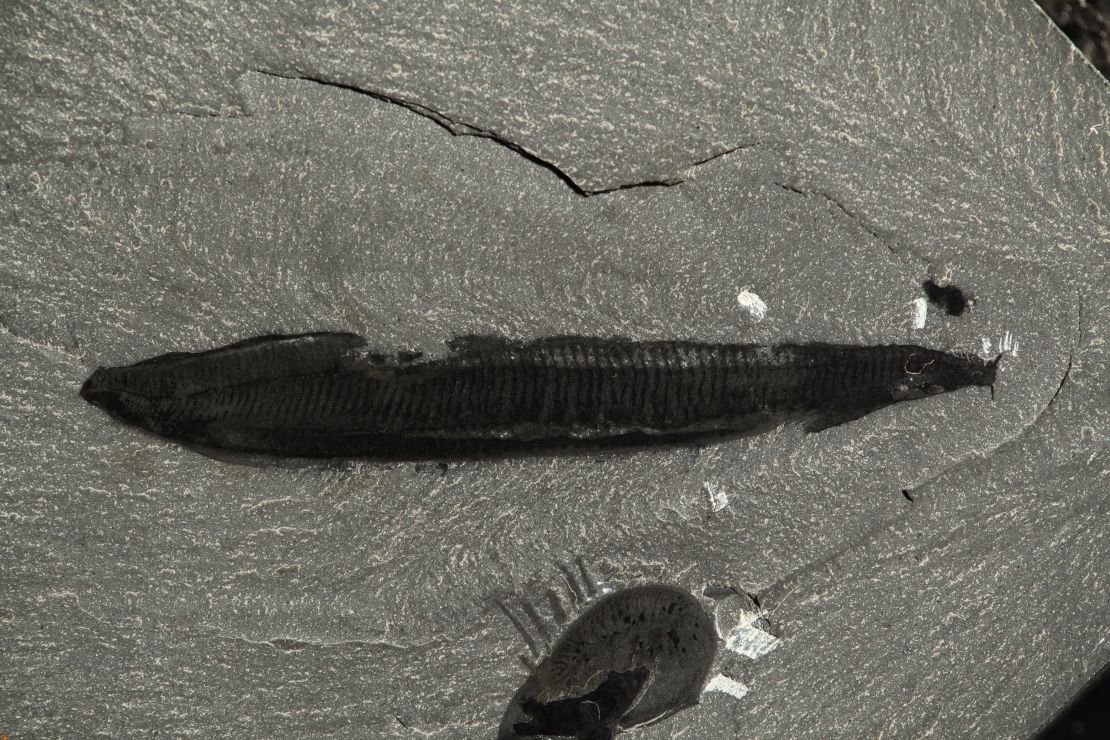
[947,297]
[634,657]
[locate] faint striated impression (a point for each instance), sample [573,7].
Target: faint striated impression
[329,395]
[634,657]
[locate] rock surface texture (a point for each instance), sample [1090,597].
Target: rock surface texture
[181,176]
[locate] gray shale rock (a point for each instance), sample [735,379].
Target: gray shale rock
[176,177]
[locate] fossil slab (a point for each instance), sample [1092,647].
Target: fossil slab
[180,177]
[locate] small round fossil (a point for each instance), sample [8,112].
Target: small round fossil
[636,656]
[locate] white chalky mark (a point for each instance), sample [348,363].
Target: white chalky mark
[726,685]
[753,304]
[1006,343]
[718,499]
[752,642]
[920,312]
[748,640]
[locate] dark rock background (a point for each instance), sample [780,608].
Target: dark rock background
[1087,24]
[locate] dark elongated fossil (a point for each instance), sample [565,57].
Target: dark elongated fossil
[634,657]
[328,395]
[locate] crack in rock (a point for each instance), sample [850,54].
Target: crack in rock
[74,353]
[1079,333]
[1071,357]
[860,221]
[461,128]
[208,114]
[289,644]
[793,578]
[1063,380]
